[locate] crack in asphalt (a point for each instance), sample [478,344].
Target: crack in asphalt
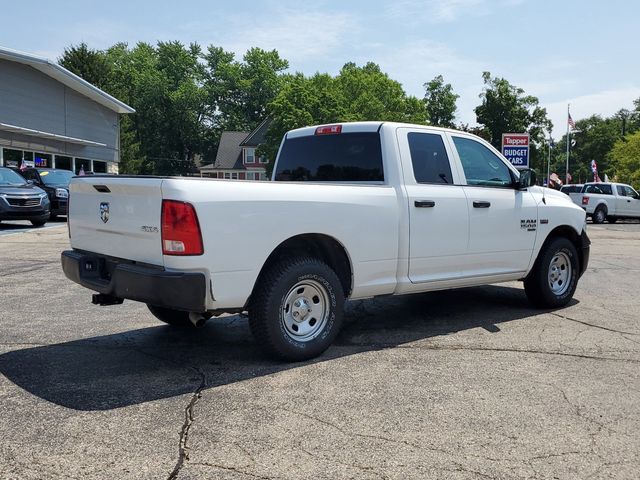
[621,332]
[183,443]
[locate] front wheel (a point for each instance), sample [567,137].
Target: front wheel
[175,318]
[554,277]
[297,309]
[611,219]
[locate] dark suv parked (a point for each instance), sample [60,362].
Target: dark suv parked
[20,200]
[53,181]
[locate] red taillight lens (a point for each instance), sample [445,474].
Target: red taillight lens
[328,129]
[180,229]
[585,200]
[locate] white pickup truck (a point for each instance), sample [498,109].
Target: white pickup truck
[607,201]
[353,211]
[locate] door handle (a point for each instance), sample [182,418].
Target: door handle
[481,204]
[628,201]
[424,203]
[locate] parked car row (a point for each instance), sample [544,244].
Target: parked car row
[605,201]
[33,194]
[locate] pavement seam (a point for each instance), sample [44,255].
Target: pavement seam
[600,327]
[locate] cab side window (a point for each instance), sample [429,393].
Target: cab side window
[429,158]
[630,192]
[481,166]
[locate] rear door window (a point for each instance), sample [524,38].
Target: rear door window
[429,158]
[599,189]
[342,157]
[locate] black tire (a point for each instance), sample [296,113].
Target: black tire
[38,223]
[271,305]
[600,215]
[537,284]
[175,318]
[612,219]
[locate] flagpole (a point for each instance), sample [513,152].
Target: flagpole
[549,161]
[566,173]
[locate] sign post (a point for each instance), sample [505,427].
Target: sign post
[515,148]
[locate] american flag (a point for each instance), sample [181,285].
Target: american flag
[572,124]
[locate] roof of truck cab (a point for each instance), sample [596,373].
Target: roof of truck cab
[370,126]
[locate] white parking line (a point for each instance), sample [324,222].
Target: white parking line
[25,229]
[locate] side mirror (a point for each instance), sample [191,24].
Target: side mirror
[527,179]
[29,182]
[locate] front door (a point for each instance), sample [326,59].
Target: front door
[629,204]
[438,215]
[503,220]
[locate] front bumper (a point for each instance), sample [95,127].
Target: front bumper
[143,283]
[585,248]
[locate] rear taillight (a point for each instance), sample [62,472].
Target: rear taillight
[180,229]
[329,129]
[69,215]
[585,200]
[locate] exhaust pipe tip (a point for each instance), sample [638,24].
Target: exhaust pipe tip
[198,319]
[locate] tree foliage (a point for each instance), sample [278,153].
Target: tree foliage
[355,94]
[440,102]
[625,159]
[91,65]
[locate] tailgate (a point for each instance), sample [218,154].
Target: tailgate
[117,216]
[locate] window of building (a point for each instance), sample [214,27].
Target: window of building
[227,175]
[12,158]
[263,159]
[63,162]
[429,158]
[99,167]
[42,159]
[249,155]
[481,166]
[234,175]
[82,164]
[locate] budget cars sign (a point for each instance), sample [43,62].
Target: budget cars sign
[515,148]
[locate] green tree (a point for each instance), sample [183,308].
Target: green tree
[355,94]
[625,159]
[239,92]
[91,65]
[505,108]
[441,102]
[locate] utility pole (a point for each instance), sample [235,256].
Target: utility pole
[566,173]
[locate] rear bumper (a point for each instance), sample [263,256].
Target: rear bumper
[124,279]
[585,249]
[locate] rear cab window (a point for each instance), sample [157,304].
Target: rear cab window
[352,157]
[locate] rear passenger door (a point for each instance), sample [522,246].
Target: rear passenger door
[503,220]
[438,215]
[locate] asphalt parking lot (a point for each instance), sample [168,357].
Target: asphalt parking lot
[466,384]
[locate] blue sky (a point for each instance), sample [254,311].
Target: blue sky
[582,52]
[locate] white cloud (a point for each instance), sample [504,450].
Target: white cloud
[604,103]
[443,11]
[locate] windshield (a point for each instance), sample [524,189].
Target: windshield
[56,177]
[9,177]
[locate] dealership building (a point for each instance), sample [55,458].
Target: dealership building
[50,117]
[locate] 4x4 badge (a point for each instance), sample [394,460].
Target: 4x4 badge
[104,212]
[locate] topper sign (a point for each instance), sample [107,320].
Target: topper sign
[515,148]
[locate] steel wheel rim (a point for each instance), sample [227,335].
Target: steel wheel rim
[560,273]
[305,310]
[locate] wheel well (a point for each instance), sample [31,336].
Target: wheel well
[569,233]
[322,247]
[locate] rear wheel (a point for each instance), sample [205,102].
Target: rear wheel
[554,277]
[600,215]
[176,318]
[297,309]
